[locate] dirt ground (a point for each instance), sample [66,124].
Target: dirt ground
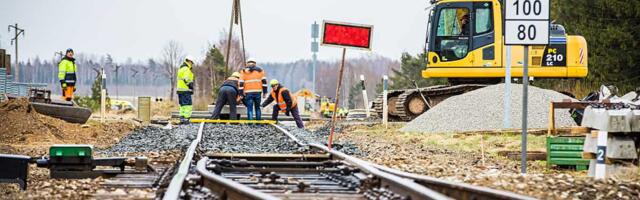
[474,159]
[25,132]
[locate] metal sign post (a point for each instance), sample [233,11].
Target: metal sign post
[506,121]
[526,23]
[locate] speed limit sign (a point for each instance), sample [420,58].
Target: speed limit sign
[526,22]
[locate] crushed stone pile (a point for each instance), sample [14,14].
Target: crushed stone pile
[155,139]
[321,136]
[245,138]
[482,109]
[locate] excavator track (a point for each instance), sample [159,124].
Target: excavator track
[406,105]
[391,95]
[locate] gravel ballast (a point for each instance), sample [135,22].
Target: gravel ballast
[482,109]
[234,138]
[321,136]
[153,139]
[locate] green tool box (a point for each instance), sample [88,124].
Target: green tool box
[566,151]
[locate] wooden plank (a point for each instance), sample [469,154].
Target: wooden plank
[588,155]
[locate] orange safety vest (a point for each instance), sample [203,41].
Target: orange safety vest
[252,80]
[280,99]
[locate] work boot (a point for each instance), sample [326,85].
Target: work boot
[184,120]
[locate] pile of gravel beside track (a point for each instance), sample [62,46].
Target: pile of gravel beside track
[237,138]
[153,139]
[320,136]
[482,109]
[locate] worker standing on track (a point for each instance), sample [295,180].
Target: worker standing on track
[67,75]
[253,85]
[228,94]
[285,102]
[185,84]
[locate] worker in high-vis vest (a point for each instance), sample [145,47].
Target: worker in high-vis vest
[227,95]
[286,102]
[67,75]
[253,87]
[185,84]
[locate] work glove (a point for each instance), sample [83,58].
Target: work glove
[190,85]
[64,85]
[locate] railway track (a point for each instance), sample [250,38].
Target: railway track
[314,172]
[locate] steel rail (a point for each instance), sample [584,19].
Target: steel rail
[229,188]
[416,191]
[413,189]
[450,189]
[296,140]
[175,186]
[456,190]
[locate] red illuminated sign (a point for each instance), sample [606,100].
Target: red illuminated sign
[347,35]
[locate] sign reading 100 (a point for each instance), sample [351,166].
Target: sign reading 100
[527,6]
[526,21]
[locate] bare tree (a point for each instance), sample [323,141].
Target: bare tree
[172,55]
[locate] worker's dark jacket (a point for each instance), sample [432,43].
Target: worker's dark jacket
[230,83]
[285,95]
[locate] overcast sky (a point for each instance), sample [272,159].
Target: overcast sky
[275,30]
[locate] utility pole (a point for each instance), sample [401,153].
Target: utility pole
[18,32]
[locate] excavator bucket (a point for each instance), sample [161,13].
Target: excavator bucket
[41,101]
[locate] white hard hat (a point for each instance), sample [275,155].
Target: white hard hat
[191,58]
[253,60]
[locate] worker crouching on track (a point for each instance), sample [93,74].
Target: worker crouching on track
[253,84]
[67,75]
[285,102]
[185,84]
[228,94]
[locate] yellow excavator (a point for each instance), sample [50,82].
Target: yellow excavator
[465,44]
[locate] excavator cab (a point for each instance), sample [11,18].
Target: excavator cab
[465,43]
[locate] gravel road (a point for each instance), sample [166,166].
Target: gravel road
[482,109]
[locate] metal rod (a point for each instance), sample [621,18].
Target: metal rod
[525,96]
[233,11]
[335,108]
[506,121]
[244,54]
